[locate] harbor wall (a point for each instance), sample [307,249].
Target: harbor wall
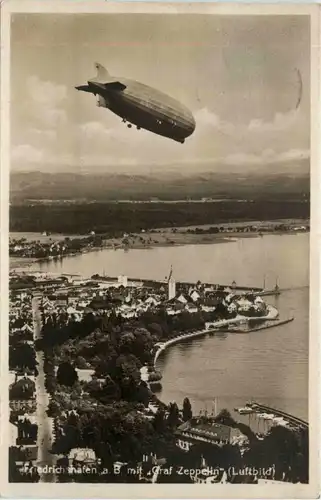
[272,314]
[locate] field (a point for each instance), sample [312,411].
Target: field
[113,219]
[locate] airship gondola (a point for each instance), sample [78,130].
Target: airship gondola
[141,105]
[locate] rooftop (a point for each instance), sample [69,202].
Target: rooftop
[208,430]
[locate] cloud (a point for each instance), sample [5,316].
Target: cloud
[102,161]
[44,92]
[47,99]
[112,134]
[27,154]
[206,118]
[42,133]
[94,129]
[280,122]
[267,156]
[294,154]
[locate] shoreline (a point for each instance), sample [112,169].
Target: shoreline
[273,315]
[169,237]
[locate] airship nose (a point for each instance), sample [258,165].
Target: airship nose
[191,124]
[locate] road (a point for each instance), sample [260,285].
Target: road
[45,423]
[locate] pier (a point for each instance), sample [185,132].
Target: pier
[273,324]
[295,421]
[152,283]
[218,286]
[211,328]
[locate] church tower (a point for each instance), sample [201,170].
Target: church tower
[171,286]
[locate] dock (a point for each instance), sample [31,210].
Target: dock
[218,286]
[265,326]
[295,421]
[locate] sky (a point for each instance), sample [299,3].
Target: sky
[237,74]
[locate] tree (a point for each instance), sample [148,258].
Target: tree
[281,448]
[155,329]
[22,356]
[221,311]
[66,374]
[187,410]
[81,362]
[173,415]
[159,421]
[224,417]
[23,389]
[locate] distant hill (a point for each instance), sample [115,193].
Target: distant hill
[167,184]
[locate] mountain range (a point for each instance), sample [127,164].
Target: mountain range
[164,184]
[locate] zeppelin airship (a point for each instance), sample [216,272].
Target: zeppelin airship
[140,105]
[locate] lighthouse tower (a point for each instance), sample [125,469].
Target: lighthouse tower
[171,286]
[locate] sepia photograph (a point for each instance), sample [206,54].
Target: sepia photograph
[157,327]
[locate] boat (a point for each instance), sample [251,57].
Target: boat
[266,416]
[244,411]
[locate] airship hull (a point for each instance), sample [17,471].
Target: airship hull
[152,110]
[141,105]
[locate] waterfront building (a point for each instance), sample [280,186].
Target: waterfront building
[194,295]
[243,305]
[206,430]
[122,281]
[191,308]
[232,308]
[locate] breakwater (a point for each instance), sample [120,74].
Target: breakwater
[258,407]
[212,327]
[273,314]
[155,283]
[263,327]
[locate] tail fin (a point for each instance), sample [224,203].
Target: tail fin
[103,79]
[102,74]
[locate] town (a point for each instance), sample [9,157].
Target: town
[54,246]
[84,384]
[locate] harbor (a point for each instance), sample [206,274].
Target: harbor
[191,315]
[272,415]
[285,348]
[249,325]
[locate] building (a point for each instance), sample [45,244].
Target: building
[205,430]
[122,281]
[82,456]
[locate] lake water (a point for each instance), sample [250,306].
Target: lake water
[270,366]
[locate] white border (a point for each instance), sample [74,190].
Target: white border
[147,490]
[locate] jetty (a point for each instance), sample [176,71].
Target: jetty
[265,326]
[147,283]
[211,328]
[218,286]
[295,421]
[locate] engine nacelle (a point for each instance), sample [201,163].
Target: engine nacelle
[101,102]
